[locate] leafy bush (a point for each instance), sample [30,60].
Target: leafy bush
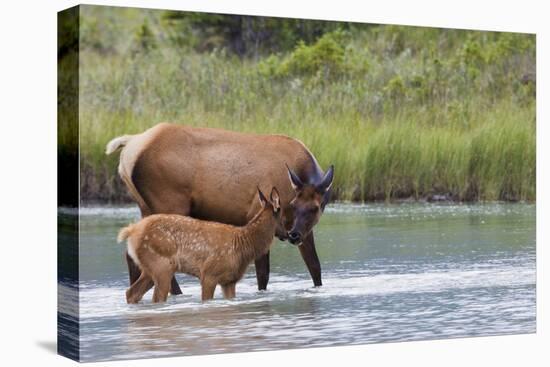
[395,89]
[326,58]
[145,39]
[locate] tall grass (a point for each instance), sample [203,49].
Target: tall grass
[413,112]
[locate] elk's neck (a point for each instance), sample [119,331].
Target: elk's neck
[256,237]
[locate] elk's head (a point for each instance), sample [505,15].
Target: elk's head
[308,204]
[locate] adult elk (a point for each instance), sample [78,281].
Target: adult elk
[213,174]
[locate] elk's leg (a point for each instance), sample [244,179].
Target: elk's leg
[174,286]
[181,206]
[139,288]
[262,271]
[134,271]
[228,291]
[172,203]
[307,249]
[208,286]
[162,287]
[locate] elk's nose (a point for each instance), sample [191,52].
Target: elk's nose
[294,236]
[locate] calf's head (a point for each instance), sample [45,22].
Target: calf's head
[308,204]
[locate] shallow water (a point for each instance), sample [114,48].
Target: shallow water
[390,273]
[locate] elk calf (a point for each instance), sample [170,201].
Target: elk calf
[216,253]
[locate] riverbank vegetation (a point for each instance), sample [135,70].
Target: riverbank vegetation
[402,112]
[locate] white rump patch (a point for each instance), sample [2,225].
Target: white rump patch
[132,251]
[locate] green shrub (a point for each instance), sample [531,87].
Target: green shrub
[395,88]
[325,57]
[145,39]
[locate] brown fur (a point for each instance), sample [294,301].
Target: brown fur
[176,169]
[215,253]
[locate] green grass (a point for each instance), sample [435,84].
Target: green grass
[400,111]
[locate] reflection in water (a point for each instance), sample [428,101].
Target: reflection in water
[214,330]
[390,273]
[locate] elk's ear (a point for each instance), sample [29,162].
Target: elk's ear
[326,182]
[263,200]
[295,181]
[275,200]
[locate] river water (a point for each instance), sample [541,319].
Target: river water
[394,272]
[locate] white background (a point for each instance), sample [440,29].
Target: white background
[28,181]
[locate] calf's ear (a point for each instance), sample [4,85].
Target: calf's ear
[262,198]
[275,200]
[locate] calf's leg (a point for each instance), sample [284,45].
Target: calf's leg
[307,250]
[134,272]
[139,288]
[262,271]
[228,291]
[162,286]
[208,286]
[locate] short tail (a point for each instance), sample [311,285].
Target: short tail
[125,233]
[117,143]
